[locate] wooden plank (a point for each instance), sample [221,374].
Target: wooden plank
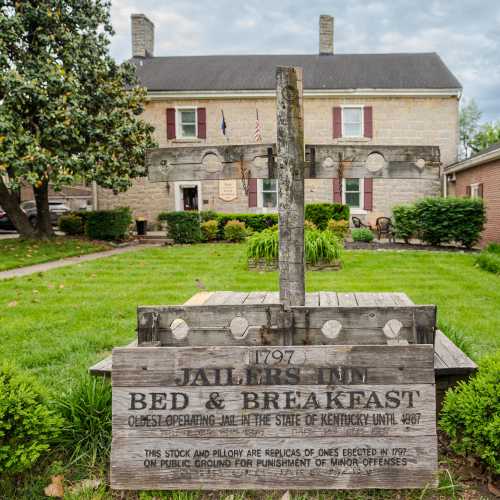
[312,299]
[328,299]
[198,299]
[366,299]
[347,299]
[104,368]
[402,299]
[272,298]
[454,361]
[236,298]
[290,163]
[217,298]
[255,298]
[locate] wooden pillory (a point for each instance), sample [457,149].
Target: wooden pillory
[291,391]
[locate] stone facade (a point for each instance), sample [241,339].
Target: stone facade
[399,121]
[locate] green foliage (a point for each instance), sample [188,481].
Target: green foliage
[112,225]
[183,227]
[493,248]
[457,336]
[86,409]
[71,225]
[471,414]
[469,124]
[255,222]
[209,230]
[322,246]
[309,225]
[235,231]
[321,213]
[405,222]
[206,215]
[488,134]
[27,426]
[339,228]
[362,234]
[489,261]
[446,220]
[69,111]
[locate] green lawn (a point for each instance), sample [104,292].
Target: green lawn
[18,253]
[59,323]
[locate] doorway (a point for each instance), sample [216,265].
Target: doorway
[190,198]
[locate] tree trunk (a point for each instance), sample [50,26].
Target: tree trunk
[9,201]
[44,226]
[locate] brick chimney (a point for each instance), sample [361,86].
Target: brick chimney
[325,35]
[143,36]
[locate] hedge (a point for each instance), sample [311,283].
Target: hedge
[255,222]
[441,220]
[321,213]
[183,227]
[71,224]
[108,224]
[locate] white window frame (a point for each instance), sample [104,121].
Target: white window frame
[260,196]
[474,190]
[361,208]
[179,195]
[178,123]
[354,106]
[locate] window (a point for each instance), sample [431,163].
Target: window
[352,121]
[269,193]
[476,190]
[186,120]
[352,193]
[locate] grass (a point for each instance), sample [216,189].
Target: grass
[58,323]
[18,253]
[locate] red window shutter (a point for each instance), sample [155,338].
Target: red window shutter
[337,193]
[252,193]
[468,191]
[170,123]
[480,190]
[368,121]
[337,122]
[202,123]
[368,198]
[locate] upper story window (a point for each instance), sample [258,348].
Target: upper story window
[186,123]
[352,121]
[269,193]
[352,191]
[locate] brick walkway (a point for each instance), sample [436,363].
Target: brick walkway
[47,266]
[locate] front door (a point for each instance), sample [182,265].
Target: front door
[190,198]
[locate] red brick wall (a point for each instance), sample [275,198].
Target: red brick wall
[489,175]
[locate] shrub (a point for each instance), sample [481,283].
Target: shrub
[321,213]
[209,230]
[86,409]
[207,215]
[162,216]
[322,246]
[339,228]
[444,220]
[405,222]
[108,224]
[309,225]
[264,245]
[493,248]
[183,227]
[255,222]
[71,224]
[362,234]
[489,261]
[235,231]
[471,414]
[27,426]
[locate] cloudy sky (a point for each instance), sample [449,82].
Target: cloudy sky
[465,33]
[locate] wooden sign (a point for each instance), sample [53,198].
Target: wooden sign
[271,417]
[228,190]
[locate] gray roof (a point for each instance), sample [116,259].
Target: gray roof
[257,72]
[489,149]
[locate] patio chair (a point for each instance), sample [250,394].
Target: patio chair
[384,228]
[357,222]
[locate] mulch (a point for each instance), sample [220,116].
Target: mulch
[377,245]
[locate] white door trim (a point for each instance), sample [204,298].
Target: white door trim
[179,202]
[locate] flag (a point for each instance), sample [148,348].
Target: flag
[258,131]
[223,125]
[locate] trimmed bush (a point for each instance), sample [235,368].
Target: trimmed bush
[321,213]
[255,222]
[86,409]
[471,414]
[71,224]
[405,222]
[339,228]
[183,227]
[27,426]
[110,225]
[207,215]
[209,230]
[235,231]
[446,220]
[362,234]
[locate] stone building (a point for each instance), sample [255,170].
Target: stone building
[393,116]
[479,177]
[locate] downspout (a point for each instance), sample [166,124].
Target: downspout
[94,196]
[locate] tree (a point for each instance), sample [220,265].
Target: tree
[469,124]
[68,111]
[488,134]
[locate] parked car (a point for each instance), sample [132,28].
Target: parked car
[56,209]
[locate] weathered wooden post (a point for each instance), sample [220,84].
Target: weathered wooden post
[290,149]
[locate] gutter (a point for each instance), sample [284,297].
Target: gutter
[473,162]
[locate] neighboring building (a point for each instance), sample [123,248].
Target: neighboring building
[406,104]
[479,177]
[78,197]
